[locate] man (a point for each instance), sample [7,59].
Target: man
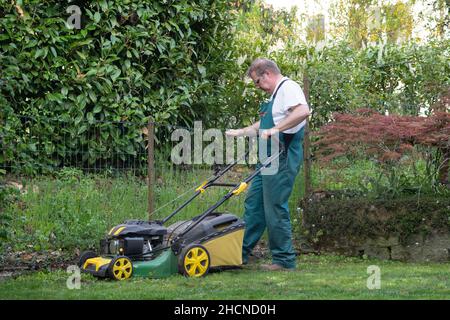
[266,204]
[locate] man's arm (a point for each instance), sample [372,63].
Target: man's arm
[250,131]
[299,113]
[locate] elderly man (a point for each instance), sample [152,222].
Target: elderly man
[266,204]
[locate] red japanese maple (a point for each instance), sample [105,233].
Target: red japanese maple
[386,138]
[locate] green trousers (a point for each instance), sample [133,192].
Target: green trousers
[266,205]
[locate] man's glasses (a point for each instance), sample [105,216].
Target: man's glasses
[256,82]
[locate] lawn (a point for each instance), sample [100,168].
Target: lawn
[317,277]
[71,211]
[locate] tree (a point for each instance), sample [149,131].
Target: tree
[387,139]
[371,21]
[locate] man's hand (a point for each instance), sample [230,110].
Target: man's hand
[267,133]
[250,131]
[235,132]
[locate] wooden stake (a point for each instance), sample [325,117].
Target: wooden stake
[151,167]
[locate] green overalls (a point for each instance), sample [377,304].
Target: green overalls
[266,203]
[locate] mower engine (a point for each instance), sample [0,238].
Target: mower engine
[131,241]
[134,239]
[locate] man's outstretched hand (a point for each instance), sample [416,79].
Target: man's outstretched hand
[234,132]
[266,134]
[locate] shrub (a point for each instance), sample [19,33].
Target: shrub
[8,195]
[387,140]
[346,215]
[129,61]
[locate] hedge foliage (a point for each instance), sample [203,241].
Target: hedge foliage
[128,61]
[89,92]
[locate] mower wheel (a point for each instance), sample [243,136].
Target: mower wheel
[120,268]
[194,261]
[84,256]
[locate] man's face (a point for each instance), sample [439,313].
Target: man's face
[262,82]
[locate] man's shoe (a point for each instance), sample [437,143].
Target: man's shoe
[274,267]
[250,260]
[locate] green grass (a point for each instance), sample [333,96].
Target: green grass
[318,277]
[76,212]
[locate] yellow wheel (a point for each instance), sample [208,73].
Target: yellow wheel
[194,261]
[120,268]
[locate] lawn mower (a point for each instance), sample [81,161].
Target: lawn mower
[211,240]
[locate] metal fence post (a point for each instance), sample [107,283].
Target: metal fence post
[307,143]
[303,241]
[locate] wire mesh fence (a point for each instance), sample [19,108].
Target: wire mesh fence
[42,145]
[35,145]
[113,157]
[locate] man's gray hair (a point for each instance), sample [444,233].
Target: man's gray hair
[261,65]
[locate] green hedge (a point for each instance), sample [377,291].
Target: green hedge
[130,60]
[178,61]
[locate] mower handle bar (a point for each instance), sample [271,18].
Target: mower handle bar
[211,182]
[227,196]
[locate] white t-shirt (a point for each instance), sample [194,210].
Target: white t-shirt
[289,95]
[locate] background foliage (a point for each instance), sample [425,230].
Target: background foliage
[64,91]
[129,61]
[391,142]
[407,79]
